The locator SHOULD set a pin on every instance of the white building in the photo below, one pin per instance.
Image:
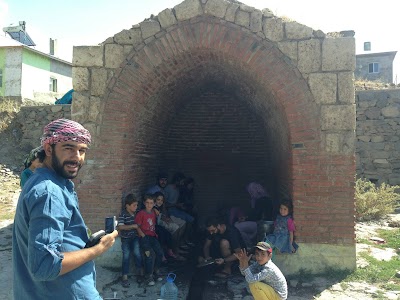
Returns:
(28, 74)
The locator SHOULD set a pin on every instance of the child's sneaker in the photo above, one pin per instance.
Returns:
(157, 276)
(150, 281)
(125, 283)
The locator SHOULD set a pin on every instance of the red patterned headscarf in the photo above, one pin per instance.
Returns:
(63, 130)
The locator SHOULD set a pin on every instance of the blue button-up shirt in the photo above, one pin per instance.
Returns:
(47, 223)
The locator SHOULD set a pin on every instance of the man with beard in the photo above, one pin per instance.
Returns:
(161, 183)
(221, 243)
(50, 260)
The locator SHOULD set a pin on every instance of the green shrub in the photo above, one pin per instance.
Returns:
(374, 202)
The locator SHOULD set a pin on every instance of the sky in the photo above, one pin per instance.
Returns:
(90, 22)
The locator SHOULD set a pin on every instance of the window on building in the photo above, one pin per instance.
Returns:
(53, 84)
(373, 68)
(1, 78)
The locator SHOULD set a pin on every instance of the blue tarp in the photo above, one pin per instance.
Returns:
(66, 99)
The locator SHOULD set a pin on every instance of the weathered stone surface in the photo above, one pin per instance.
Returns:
(80, 79)
(309, 56)
(56, 108)
(127, 50)
(394, 180)
(346, 87)
(80, 107)
(132, 36)
(87, 56)
(243, 18)
(382, 128)
(382, 102)
(34, 118)
(149, 28)
(373, 113)
(377, 139)
(246, 8)
(231, 12)
(392, 111)
(343, 142)
(364, 138)
(289, 49)
(273, 29)
(166, 18)
(256, 21)
(338, 54)
(114, 55)
(267, 13)
(109, 40)
(365, 104)
(297, 31)
(188, 9)
(348, 143)
(319, 34)
(216, 8)
(99, 82)
(94, 109)
(338, 117)
(323, 87)
(333, 142)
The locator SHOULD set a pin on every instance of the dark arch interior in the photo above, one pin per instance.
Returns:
(218, 124)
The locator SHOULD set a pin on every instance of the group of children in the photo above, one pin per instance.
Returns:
(152, 230)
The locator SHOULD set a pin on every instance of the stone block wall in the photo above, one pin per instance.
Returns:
(32, 120)
(378, 135)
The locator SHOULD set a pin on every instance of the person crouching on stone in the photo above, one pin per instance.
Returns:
(265, 280)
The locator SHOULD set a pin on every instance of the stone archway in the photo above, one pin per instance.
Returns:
(225, 93)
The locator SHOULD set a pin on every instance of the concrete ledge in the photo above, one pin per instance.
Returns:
(317, 258)
(112, 258)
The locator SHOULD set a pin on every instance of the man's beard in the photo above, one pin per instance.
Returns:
(59, 168)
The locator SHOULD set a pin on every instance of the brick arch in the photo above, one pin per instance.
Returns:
(207, 56)
(140, 116)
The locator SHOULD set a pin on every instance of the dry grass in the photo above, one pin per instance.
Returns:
(360, 85)
(8, 110)
(7, 105)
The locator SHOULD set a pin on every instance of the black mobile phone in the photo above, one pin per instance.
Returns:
(95, 238)
(110, 224)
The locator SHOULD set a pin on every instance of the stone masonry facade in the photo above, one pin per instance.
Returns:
(378, 131)
(32, 119)
(255, 89)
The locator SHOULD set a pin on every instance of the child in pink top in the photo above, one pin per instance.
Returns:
(283, 236)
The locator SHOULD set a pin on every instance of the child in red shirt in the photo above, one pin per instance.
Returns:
(147, 220)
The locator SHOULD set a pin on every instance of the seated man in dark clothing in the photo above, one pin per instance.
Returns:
(222, 241)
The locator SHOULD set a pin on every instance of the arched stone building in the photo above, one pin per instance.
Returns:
(227, 94)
